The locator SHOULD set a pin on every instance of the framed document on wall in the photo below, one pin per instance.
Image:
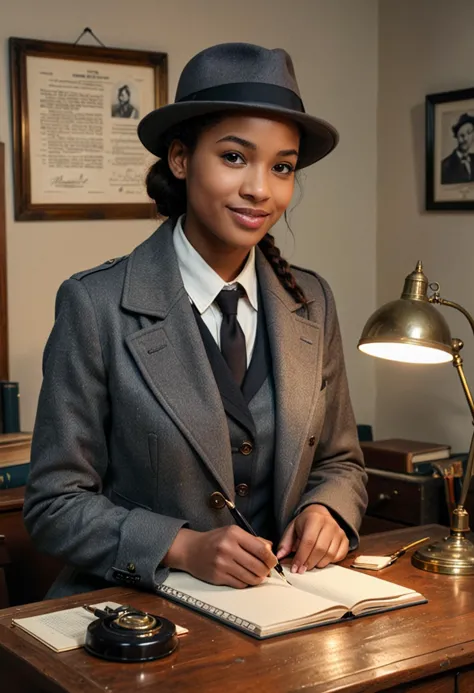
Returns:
(75, 111)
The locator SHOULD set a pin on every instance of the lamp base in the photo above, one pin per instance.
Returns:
(454, 555)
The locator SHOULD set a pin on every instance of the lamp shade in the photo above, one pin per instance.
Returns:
(409, 329)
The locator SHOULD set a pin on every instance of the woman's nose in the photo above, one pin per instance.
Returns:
(255, 184)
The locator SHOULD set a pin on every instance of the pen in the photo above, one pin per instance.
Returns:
(242, 522)
(401, 552)
(404, 549)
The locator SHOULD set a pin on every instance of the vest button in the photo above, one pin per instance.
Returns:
(311, 441)
(216, 501)
(242, 490)
(131, 567)
(246, 448)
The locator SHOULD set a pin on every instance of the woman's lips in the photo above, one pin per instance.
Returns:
(249, 218)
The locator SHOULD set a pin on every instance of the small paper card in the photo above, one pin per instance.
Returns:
(65, 630)
(372, 562)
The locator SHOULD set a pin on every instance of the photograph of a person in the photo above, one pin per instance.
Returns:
(458, 167)
(450, 150)
(122, 107)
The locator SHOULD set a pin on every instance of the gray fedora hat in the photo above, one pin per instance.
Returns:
(239, 77)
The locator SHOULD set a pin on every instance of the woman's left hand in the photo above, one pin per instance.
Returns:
(316, 538)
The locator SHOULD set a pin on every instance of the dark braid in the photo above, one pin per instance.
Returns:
(169, 195)
(281, 268)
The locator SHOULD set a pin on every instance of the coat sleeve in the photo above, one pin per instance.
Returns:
(337, 478)
(65, 509)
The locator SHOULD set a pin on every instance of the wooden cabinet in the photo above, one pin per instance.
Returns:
(403, 500)
(27, 573)
(4, 562)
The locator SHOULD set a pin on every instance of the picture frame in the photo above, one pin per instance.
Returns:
(75, 111)
(450, 150)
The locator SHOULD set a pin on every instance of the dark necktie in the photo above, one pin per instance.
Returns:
(232, 337)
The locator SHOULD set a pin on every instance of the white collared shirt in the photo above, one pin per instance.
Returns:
(465, 159)
(202, 285)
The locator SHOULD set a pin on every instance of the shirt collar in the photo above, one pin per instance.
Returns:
(464, 157)
(201, 282)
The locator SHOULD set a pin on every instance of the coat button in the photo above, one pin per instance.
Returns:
(131, 567)
(242, 490)
(246, 448)
(216, 501)
(311, 441)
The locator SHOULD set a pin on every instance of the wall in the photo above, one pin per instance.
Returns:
(425, 46)
(334, 47)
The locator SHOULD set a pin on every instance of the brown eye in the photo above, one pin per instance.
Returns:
(287, 169)
(233, 158)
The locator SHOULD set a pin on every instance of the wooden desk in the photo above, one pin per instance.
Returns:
(424, 649)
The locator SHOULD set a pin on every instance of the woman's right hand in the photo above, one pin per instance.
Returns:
(225, 556)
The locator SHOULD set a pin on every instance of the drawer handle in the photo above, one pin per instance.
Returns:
(384, 497)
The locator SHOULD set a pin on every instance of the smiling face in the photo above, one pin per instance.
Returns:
(239, 181)
(465, 137)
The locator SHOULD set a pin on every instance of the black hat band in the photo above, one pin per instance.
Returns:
(251, 93)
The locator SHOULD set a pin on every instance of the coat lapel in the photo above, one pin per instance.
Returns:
(294, 343)
(171, 356)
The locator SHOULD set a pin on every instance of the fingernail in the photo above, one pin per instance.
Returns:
(302, 570)
(280, 553)
(294, 568)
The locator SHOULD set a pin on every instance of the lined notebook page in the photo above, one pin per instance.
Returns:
(272, 602)
(347, 586)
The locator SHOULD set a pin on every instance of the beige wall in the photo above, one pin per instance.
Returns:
(425, 47)
(334, 47)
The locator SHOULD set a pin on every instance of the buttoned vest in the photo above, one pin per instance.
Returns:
(250, 412)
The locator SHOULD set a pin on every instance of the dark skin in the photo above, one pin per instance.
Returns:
(240, 180)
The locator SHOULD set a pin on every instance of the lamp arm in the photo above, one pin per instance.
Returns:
(435, 298)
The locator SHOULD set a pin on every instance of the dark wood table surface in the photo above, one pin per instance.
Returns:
(428, 647)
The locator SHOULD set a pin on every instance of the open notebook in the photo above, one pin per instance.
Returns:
(320, 596)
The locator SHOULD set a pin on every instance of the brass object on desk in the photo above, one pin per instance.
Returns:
(126, 634)
(411, 330)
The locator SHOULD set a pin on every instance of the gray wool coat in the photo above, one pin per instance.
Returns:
(131, 438)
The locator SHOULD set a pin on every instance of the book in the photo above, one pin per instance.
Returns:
(318, 597)
(15, 448)
(399, 455)
(14, 475)
(10, 394)
(65, 630)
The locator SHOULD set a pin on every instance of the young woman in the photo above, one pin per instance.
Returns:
(202, 364)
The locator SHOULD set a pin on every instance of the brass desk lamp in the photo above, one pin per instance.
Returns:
(411, 330)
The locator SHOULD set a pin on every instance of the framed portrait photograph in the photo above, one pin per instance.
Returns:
(75, 111)
(450, 150)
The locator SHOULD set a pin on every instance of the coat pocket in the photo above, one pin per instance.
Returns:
(153, 452)
(126, 502)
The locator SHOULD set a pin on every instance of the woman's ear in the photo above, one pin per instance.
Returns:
(178, 159)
